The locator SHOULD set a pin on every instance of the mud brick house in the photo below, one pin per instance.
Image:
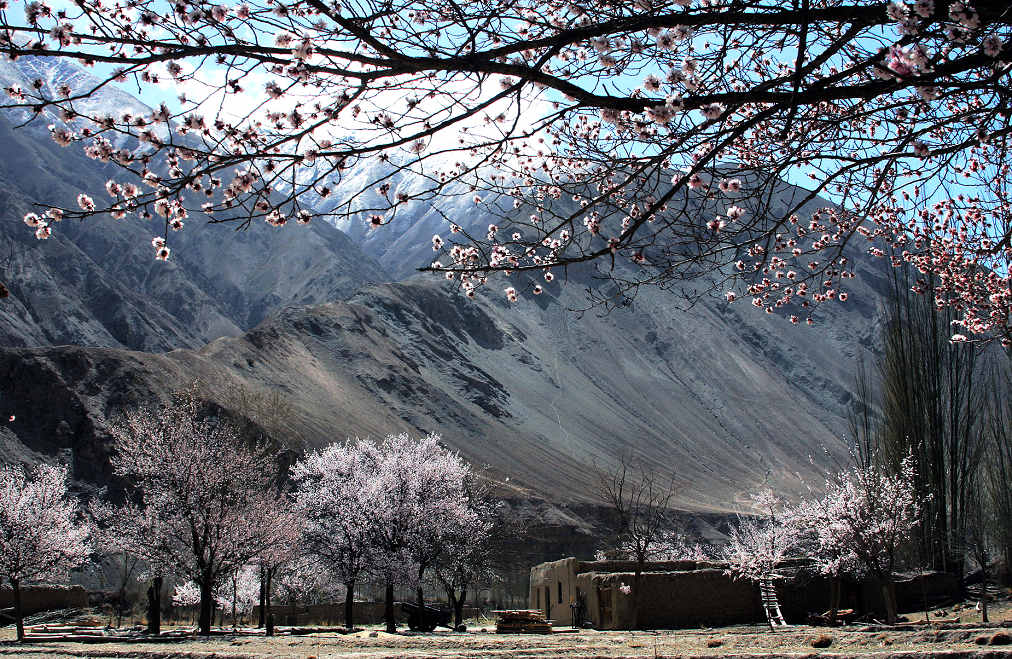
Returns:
(693, 593)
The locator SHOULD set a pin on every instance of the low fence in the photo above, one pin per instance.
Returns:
(37, 598)
(365, 613)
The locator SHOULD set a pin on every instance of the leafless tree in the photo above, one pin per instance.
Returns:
(933, 407)
(641, 499)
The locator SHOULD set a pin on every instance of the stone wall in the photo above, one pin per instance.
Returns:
(45, 598)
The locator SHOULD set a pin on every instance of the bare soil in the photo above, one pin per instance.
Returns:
(949, 639)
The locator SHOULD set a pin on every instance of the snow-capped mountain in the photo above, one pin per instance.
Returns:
(96, 283)
(50, 74)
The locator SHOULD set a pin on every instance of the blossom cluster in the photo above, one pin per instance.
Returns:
(653, 137)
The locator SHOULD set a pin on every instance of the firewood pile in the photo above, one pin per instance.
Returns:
(842, 617)
(95, 634)
(522, 621)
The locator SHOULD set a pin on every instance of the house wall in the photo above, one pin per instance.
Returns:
(606, 567)
(553, 589)
(547, 579)
(690, 593)
(669, 599)
(912, 592)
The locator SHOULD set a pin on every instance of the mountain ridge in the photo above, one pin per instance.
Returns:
(96, 282)
(722, 397)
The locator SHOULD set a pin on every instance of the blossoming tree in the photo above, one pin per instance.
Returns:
(757, 545)
(832, 558)
(41, 536)
(866, 515)
(237, 592)
(418, 500)
(652, 137)
(469, 548)
(388, 508)
(205, 502)
(330, 491)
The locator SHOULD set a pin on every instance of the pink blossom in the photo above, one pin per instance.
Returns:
(652, 83)
(41, 538)
(992, 45)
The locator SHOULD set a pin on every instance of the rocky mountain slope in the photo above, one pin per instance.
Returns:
(97, 283)
(720, 395)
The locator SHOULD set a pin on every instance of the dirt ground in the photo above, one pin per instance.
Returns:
(967, 638)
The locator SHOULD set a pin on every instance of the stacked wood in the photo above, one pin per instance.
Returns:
(53, 632)
(842, 617)
(522, 621)
(76, 633)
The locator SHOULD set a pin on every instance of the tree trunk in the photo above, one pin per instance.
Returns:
(451, 597)
(636, 596)
(206, 605)
(235, 587)
(388, 609)
(263, 602)
(349, 604)
(267, 602)
(983, 594)
(458, 608)
(889, 596)
(155, 606)
(18, 614)
(420, 596)
(834, 597)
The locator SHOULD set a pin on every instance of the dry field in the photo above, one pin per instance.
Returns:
(950, 639)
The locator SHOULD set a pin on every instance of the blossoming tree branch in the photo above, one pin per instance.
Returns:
(657, 138)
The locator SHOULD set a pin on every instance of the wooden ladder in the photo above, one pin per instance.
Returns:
(770, 603)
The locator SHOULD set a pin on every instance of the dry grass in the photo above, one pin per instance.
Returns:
(741, 642)
(968, 639)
